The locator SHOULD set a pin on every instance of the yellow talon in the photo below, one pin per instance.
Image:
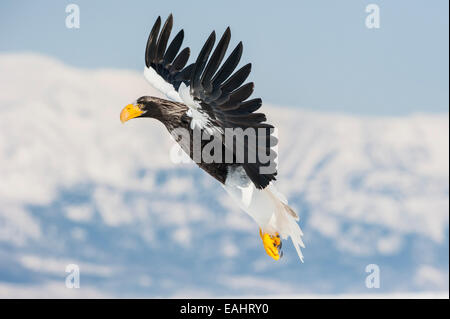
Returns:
(272, 244)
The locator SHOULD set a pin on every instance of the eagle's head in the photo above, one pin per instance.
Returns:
(145, 106)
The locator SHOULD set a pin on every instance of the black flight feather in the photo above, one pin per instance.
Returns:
(180, 61)
(150, 51)
(163, 39)
(228, 67)
(173, 48)
(215, 60)
(202, 58)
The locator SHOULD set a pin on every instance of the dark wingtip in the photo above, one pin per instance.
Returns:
(213, 35)
(157, 23)
(227, 34)
(211, 38)
(151, 42)
(240, 48)
(247, 68)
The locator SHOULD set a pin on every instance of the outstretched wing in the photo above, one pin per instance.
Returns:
(166, 66)
(221, 93)
(215, 94)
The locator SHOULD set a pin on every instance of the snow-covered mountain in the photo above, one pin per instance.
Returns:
(78, 187)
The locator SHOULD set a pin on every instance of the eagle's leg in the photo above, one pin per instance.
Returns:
(272, 244)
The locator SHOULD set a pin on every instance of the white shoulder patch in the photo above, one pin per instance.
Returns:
(199, 118)
(161, 85)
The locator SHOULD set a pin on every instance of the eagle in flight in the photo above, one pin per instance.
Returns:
(207, 103)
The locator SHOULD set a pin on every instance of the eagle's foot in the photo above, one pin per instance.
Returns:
(272, 244)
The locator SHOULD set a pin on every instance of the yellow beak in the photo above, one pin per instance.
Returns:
(129, 112)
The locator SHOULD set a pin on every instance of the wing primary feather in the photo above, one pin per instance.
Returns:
(200, 63)
(236, 79)
(247, 107)
(228, 67)
(151, 42)
(173, 48)
(180, 60)
(163, 38)
(247, 119)
(215, 60)
(185, 74)
(237, 96)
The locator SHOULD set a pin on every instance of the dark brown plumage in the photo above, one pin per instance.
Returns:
(173, 116)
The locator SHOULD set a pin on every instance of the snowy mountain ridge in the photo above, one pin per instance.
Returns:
(78, 186)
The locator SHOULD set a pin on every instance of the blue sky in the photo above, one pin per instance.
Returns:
(311, 54)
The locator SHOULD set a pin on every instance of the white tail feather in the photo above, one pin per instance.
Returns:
(267, 207)
(285, 220)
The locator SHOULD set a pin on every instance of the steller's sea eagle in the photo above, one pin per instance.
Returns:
(207, 99)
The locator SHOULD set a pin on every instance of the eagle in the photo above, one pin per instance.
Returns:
(208, 111)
